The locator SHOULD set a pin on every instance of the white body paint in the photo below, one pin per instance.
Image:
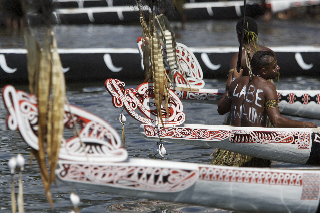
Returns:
(250, 96)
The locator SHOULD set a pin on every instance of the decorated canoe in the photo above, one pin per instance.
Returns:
(23, 116)
(298, 145)
(279, 190)
(293, 145)
(102, 165)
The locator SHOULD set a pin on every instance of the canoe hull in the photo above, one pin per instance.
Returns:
(83, 65)
(215, 186)
(297, 145)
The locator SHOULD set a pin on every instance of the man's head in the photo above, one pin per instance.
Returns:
(250, 26)
(264, 64)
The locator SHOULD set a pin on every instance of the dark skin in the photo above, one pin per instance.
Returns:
(244, 67)
(247, 105)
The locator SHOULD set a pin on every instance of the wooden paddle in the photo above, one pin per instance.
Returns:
(241, 40)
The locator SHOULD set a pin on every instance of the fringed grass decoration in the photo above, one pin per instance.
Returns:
(227, 158)
(46, 81)
(51, 98)
(57, 102)
(43, 101)
(154, 63)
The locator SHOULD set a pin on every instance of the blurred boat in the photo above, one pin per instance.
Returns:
(130, 13)
(126, 11)
(95, 64)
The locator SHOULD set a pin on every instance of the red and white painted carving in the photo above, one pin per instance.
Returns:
(305, 98)
(142, 100)
(215, 95)
(101, 142)
(301, 139)
(188, 72)
(155, 179)
(310, 182)
(254, 177)
(187, 133)
(311, 186)
(188, 66)
(291, 98)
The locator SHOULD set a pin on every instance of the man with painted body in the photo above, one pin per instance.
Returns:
(251, 98)
(249, 46)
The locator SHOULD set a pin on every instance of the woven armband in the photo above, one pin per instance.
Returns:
(270, 104)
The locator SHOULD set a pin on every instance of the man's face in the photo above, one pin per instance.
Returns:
(272, 71)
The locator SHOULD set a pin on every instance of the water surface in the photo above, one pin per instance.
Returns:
(94, 98)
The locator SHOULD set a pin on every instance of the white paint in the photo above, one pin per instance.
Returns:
(207, 62)
(142, 66)
(80, 4)
(212, 4)
(253, 116)
(258, 98)
(301, 62)
(238, 9)
(235, 94)
(4, 66)
(64, 70)
(210, 12)
(108, 61)
(90, 16)
(243, 92)
(250, 94)
(237, 113)
(110, 3)
(120, 15)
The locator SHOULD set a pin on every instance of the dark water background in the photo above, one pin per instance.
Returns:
(209, 33)
(94, 98)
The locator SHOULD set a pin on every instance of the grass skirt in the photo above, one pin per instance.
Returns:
(228, 158)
